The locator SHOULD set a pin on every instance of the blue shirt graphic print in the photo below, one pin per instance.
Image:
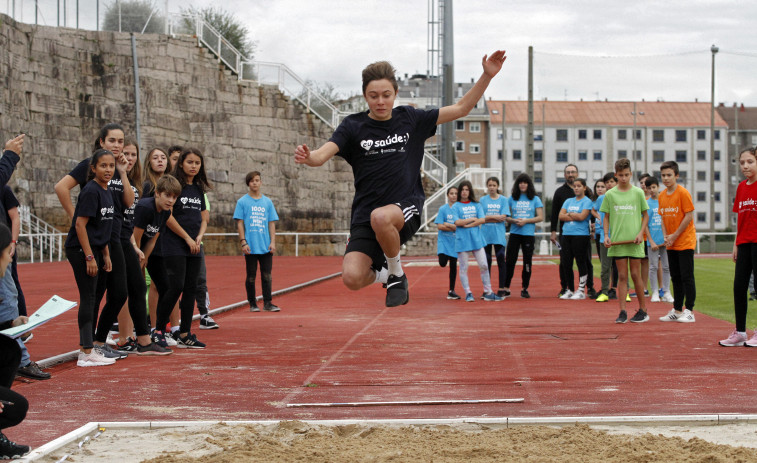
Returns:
(445, 240)
(256, 214)
(468, 239)
(495, 232)
(574, 227)
(524, 208)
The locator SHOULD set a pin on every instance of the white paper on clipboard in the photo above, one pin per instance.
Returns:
(55, 306)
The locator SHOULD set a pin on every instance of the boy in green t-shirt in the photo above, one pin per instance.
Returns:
(625, 209)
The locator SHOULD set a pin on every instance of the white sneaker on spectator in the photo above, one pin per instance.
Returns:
(93, 359)
(671, 316)
(687, 317)
(667, 297)
(567, 295)
(655, 298)
(171, 339)
(110, 341)
(578, 295)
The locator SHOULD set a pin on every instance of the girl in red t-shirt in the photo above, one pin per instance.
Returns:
(745, 247)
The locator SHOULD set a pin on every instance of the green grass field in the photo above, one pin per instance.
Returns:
(714, 278)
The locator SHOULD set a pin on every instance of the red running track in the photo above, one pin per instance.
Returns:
(328, 344)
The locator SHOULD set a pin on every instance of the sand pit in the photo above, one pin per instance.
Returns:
(469, 442)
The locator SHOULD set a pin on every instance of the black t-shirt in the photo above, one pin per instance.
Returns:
(187, 212)
(81, 172)
(8, 201)
(386, 157)
(116, 187)
(148, 189)
(97, 204)
(128, 225)
(147, 217)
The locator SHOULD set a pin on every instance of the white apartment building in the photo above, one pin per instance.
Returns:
(594, 134)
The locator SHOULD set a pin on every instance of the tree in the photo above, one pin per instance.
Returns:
(235, 32)
(134, 14)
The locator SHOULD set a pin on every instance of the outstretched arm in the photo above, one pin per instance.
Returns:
(303, 155)
(491, 65)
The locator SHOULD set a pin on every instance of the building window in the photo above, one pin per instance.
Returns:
(637, 134)
(681, 156)
(717, 217)
(582, 156)
(701, 134)
(701, 155)
(701, 176)
(658, 156)
(459, 125)
(701, 217)
(680, 135)
(499, 134)
(717, 155)
(622, 135)
(475, 127)
(562, 135)
(717, 175)
(701, 196)
(622, 154)
(459, 146)
(637, 155)
(517, 134)
(538, 176)
(538, 135)
(598, 134)
(658, 135)
(683, 175)
(562, 156)
(474, 148)
(582, 134)
(717, 196)
(538, 156)
(517, 155)
(597, 155)
(499, 155)
(717, 135)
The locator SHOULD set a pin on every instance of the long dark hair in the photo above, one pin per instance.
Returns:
(587, 191)
(95, 159)
(471, 193)
(201, 180)
(530, 191)
(104, 131)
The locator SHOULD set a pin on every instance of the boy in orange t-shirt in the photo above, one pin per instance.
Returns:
(677, 211)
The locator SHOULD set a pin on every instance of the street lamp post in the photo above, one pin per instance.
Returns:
(714, 50)
(634, 113)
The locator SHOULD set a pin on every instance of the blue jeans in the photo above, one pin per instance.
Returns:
(9, 308)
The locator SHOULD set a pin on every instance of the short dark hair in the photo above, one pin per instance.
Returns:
(670, 165)
(587, 191)
(649, 181)
(250, 175)
(100, 152)
(570, 165)
(377, 71)
(168, 184)
(622, 164)
(644, 175)
(174, 148)
(609, 176)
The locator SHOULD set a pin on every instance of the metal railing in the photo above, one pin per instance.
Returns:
(476, 175)
(45, 241)
(434, 168)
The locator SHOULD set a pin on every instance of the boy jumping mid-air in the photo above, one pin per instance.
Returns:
(384, 146)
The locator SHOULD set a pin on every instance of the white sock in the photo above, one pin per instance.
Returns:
(743, 333)
(174, 329)
(395, 267)
(381, 276)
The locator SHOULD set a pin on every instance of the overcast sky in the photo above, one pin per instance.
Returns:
(612, 49)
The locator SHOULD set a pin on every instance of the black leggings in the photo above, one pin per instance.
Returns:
(443, 259)
(89, 288)
(201, 295)
(499, 252)
(746, 265)
(136, 287)
(266, 265)
(117, 292)
(682, 276)
(180, 280)
(10, 357)
(516, 243)
(575, 248)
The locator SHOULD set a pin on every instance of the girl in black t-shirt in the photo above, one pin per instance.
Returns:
(180, 248)
(156, 164)
(87, 250)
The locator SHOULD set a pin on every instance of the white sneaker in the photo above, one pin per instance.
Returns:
(110, 341)
(578, 295)
(667, 297)
(655, 298)
(567, 295)
(672, 316)
(93, 359)
(687, 317)
(171, 340)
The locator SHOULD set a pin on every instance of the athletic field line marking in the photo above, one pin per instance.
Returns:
(407, 402)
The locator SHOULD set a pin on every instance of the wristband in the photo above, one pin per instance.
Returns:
(13, 241)
(242, 240)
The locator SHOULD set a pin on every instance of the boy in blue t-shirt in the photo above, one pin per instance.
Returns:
(656, 242)
(256, 224)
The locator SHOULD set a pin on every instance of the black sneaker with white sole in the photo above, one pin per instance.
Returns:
(10, 450)
(640, 317)
(622, 317)
(152, 349)
(269, 307)
(207, 323)
(189, 342)
(396, 291)
(452, 295)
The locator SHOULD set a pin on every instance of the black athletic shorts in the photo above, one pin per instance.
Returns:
(363, 238)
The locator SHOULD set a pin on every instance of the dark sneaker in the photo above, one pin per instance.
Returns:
(159, 338)
(254, 307)
(622, 317)
(269, 307)
(129, 347)
(453, 296)
(26, 337)
(503, 293)
(207, 323)
(10, 450)
(591, 293)
(640, 317)
(190, 342)
(524, 294)
(153, 349)
(612, 294)
(396, 291)
(107, 352)
(32, 371)
(752, 296)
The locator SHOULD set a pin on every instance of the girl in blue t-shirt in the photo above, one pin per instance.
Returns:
(496, 208)
(575, 213)
(87, 251)
(469, 216)
(527, 210)
(445, 240)
(180, 249)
